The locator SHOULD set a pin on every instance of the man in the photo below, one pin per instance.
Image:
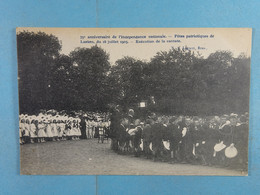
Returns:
(186, 142)
(122, 136)
(114, 126)
(165, 138)
(147, 137)
(157, 137)
(130, 116)
(83, 128)
(241, 143)
(137, 137)
(174, 133)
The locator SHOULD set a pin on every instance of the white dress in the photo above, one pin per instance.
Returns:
(73, 131)
(78, 131)
(60, 128)
(67, 130)
(33, 130)
(26, 129)
(41, 132)
(54, 130)
(21, 128)
(48, 131)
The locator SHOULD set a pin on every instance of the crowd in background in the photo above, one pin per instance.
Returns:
(55, 126)
(212, 140)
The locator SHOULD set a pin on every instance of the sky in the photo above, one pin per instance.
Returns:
(144, 43)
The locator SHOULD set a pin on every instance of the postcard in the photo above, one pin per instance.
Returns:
(134, 101)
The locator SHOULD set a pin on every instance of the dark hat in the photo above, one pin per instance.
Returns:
(243, 119)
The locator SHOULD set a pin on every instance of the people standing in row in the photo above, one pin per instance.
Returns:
(218, 140)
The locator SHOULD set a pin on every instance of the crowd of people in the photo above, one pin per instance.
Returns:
(213, 140)
(55, 126)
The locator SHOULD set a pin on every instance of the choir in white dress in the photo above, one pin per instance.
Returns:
(53, 127)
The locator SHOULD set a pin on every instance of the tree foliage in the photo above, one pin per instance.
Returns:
(36, 57)
(181, 81)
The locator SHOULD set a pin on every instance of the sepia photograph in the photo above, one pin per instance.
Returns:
(134, 101)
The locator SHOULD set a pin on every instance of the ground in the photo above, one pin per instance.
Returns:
(88, 157)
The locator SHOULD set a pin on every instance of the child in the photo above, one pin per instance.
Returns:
(73, 131)
(87, 129)
(26, 131)
(49, 130)
(41, 131)
(21, 131)
(54, 130)
(67, 129)
(32, 131)
(59, 129)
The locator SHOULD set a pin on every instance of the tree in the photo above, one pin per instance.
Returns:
(62, 84)
(181, 81)
(170, 76)
(90, 69)
(128, 80)
(36, 60)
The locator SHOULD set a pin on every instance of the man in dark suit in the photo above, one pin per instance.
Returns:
(83, 128)
(174, 138)
(157, 137)
(114, 127)
(147, 137)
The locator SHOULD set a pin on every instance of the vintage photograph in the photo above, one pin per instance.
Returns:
(134, 101)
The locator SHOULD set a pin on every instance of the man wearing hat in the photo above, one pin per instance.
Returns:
(241, 142)
(130, 116)
(137, 137)
(114, 127)
(83, 128)
(157, 137)
(174, 138)
(147, 137)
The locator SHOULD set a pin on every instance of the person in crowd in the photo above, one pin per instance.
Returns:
(58, 126)
(41, 132)
(130, 116)
(83, 128)
(240, 140)
(136, 138)
(115, 119)
(209, 140)
(147, 137)
(26, 134)
(62, 133)
(54, 130)
(21, 130)
(123, 137)
(88, 126)
(157, 137)
(73, 131)
(49, 130)
(67, 130)
(78, 132)
(33, 131)
(174, 138)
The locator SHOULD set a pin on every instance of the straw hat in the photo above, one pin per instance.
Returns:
(184, 131)
(231, 151)
(166, 145)
(220, 146)
(151, 146)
